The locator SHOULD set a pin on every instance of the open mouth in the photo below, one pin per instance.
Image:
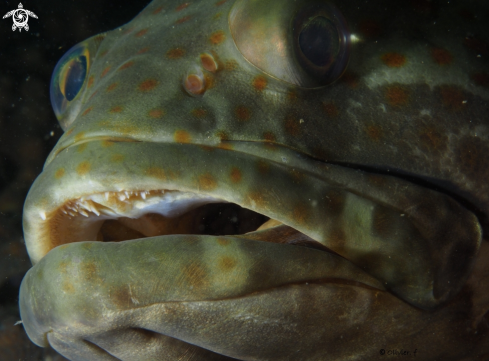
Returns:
(129, 215)
(261, 193)
(195, 226)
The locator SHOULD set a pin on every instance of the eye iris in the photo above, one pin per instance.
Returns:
(319, 41)
(72, 77)
(69, 77)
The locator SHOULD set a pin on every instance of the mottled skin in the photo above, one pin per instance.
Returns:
(387, 167)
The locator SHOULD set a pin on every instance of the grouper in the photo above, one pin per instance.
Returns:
(268, 180)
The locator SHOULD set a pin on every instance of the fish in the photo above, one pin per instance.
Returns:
(267, 180)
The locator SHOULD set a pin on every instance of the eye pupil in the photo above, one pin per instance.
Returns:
(319, 41)
(75, 77)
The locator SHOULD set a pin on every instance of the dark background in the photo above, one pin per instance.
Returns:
(29, 130)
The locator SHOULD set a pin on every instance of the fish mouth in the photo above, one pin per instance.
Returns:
(120, 230)
(107, 191)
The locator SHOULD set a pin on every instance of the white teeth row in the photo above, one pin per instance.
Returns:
(87, 207)
(134, 204)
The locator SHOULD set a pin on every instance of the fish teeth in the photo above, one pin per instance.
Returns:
(83, 213)
(107, 196)
(143, 195)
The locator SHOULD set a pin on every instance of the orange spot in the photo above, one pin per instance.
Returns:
(207, 148)
(194, 84)
(432, 139)
(126, 65)
(330, 109)
(156, 172)
(231, 65)
(292, 126)
(260, 82)
(370, 28)
(107, 143)
(227, 146)
(292, 96)
(90, 81)
(481, 79)
(223, 241)
(141, 33)
(227, 263)
(397, 96)
(69, 131)
(79, 137)
(377, 180)
(81, 147)
(208, 62)
(156, 113)
(255, 200)
(68, 287)
(116, 158)
(105, 71)
(98, 39)
(263, 167)
(83, 168)
(111, 87)
(116, 109)
(219, 3)
(269, 137)
(209, 81)
(144, 50)
(300, 214)
(182, 20)
(296, 175)
(207, 182)
(175, 53)
(182, 136)
(236, 175)
(351, 79)
(86, 111)
(441, 56)
(452, 98)
(393, 60)
(374, 132)
(183, 6)
(223, 136)
(158, 10)
(242, 113)
(103, 53)
(93, 94)
(199, 113)
(148, 85)
(217, 37)
(59, 173)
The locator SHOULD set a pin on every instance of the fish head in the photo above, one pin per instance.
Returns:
(247, 179)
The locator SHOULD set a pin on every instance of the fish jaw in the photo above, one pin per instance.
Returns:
(379, 226)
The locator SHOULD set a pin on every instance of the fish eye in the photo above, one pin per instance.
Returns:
(69, 76)
(322, 42)
(306, 43)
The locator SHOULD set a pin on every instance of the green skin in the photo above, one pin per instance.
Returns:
(387, 167)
